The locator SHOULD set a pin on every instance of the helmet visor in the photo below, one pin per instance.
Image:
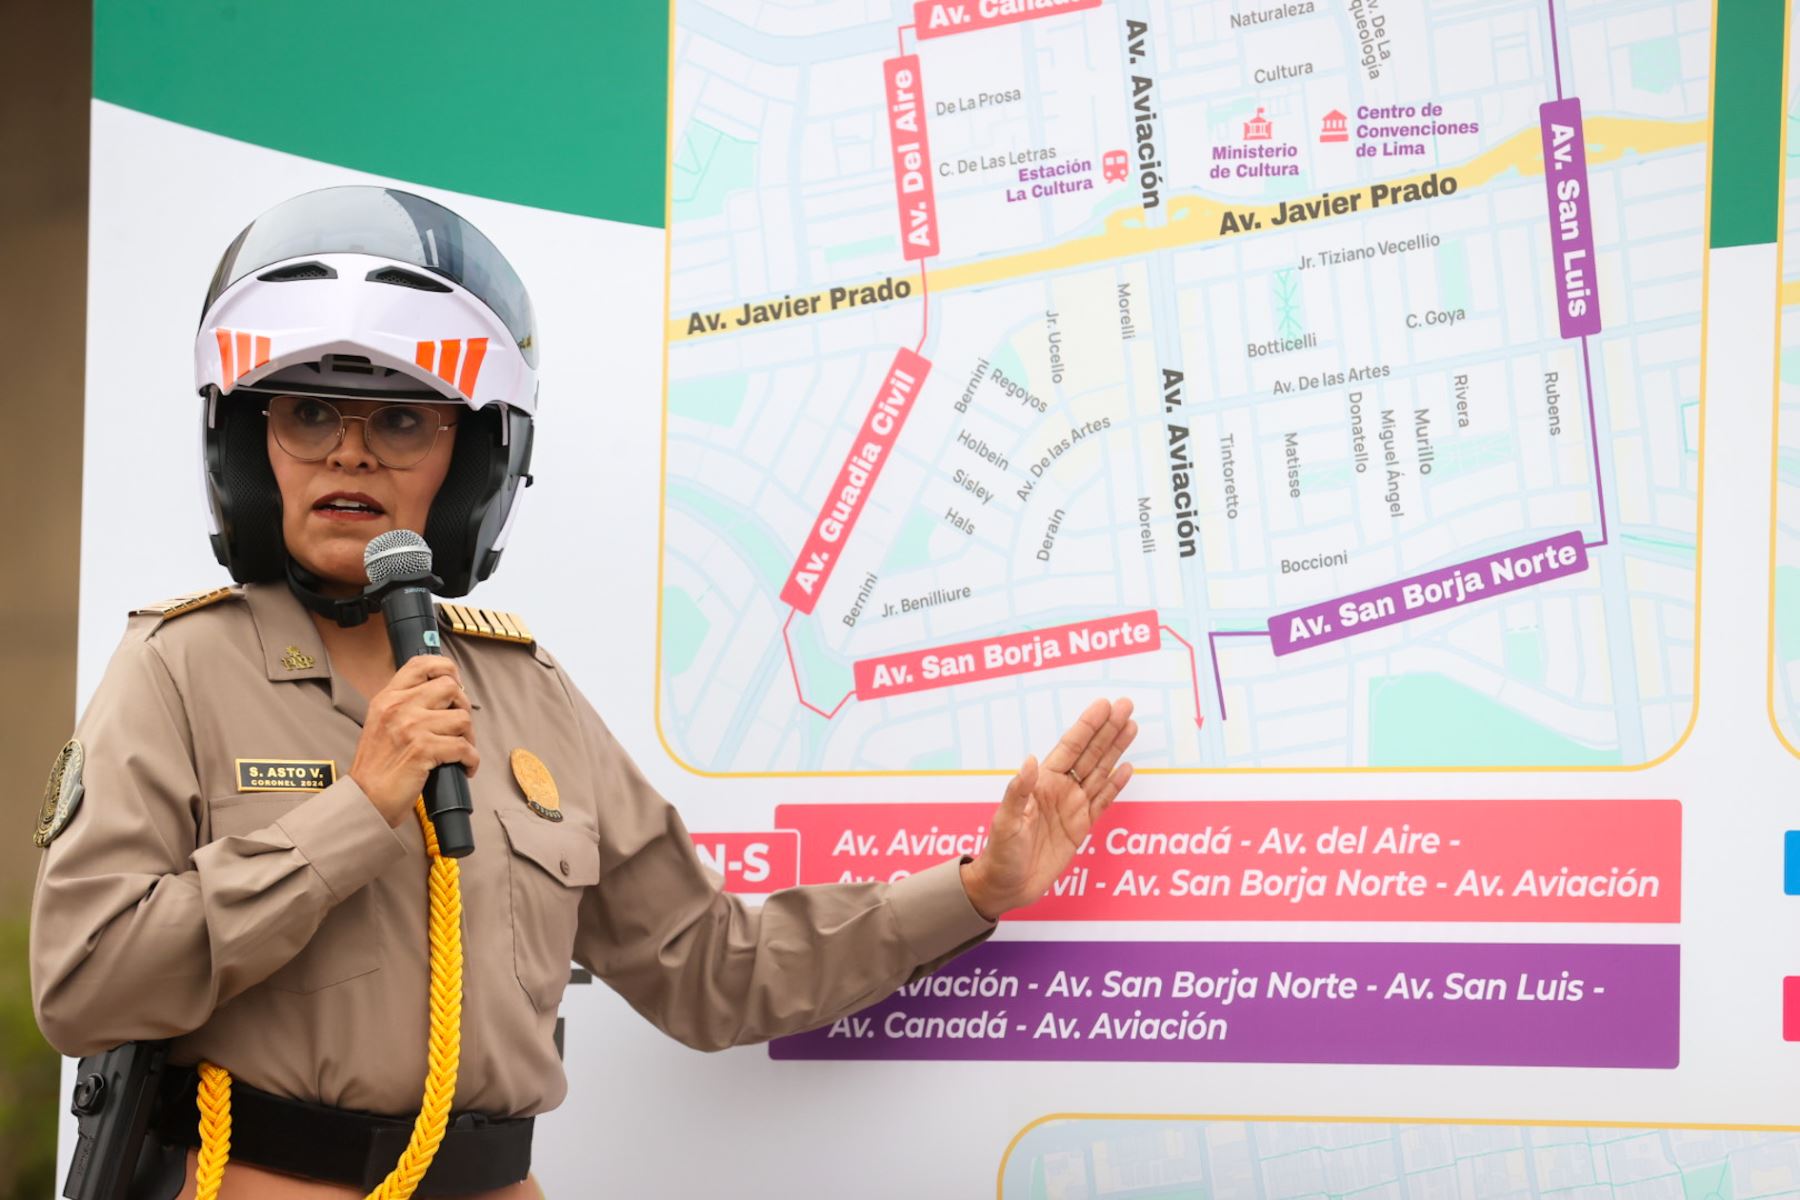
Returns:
(387, 224)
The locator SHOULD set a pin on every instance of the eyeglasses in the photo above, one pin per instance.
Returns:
(398, 435)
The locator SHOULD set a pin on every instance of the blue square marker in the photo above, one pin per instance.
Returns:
(1791, 863)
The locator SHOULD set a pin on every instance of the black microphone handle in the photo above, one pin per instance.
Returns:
(412, 631)
(448, 805)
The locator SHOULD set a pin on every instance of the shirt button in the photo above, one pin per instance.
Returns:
(563, 866)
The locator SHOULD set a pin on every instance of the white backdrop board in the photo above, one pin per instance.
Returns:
(1064, 325)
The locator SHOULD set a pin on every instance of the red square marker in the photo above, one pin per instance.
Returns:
(1790, 1008)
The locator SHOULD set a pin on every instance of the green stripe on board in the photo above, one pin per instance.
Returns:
(562, 105)
(1747, 104)
(559, 104)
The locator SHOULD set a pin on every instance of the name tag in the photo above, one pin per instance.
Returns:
(285, 774)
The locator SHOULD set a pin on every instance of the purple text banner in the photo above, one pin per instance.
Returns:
(1433, 592)
(1525, 1005)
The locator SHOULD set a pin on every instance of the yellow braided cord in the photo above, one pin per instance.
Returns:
(444, 1050)
(215, 1130)
(443, 1053)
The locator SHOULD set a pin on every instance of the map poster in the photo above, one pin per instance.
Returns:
(1332, 379)
(1325, 377)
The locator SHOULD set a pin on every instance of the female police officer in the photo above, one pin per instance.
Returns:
(231, 856)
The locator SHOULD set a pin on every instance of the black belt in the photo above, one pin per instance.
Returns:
(337, 1145)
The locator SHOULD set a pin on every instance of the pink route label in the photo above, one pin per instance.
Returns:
(1570, 861)
(912, 158)
(1009, 654)
(1434, 591)
(849, 495)
(934, 18)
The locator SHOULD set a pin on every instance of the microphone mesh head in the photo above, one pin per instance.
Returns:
(398, 554)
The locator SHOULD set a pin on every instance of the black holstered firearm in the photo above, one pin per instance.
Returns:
(114, 1098)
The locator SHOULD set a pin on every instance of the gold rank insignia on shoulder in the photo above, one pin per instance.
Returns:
(295, 659)
(62, 793)
(178, 605)
(485, 623)
(538, 785)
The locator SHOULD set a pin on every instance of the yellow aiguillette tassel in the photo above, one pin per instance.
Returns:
(443, 1052)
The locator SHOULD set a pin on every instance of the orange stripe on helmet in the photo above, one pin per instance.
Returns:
(225, 375)
(243, 354)
(447, 360)
(262, 351)
(427, 356)
(471, 368)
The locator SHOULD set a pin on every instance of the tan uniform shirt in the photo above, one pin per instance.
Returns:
(282, 934)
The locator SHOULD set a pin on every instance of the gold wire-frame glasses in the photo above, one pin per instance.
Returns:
(309, 428)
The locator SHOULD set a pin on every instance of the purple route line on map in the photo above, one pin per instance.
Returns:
(1587, 370)
(1212, 645)
(1587, 378)
(1555, 54)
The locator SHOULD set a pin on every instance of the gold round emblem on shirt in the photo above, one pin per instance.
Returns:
(62, 793)
(537, 784)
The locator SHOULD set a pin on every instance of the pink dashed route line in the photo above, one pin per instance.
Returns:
(921, 253)
(918, 351)
(1193, 674)
(794, 670)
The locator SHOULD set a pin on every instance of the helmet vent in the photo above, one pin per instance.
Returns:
(351, 364)
(298, 271)
(406, 279)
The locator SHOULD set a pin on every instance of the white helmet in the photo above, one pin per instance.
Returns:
(367, 292)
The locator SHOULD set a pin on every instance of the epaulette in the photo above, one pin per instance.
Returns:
(181, 605)
(470, 621)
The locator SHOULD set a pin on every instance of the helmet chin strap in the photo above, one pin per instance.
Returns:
(347, 611)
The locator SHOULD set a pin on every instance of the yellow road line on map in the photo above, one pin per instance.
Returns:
(1790, 292)
(1194, 218)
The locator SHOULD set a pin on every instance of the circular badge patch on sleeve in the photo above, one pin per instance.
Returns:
(62, 793)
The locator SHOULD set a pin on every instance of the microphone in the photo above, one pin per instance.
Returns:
(399, 566)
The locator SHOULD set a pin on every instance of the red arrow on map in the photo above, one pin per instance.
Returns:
(1193, 674)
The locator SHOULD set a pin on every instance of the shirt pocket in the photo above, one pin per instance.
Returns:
(549, 867)
(347, 943)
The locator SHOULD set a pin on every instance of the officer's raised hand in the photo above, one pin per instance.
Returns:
(420, 720)
(1049, 808)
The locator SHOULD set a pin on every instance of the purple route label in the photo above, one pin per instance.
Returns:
(1571, 217)
(1420, 1003)
(1422, 595)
